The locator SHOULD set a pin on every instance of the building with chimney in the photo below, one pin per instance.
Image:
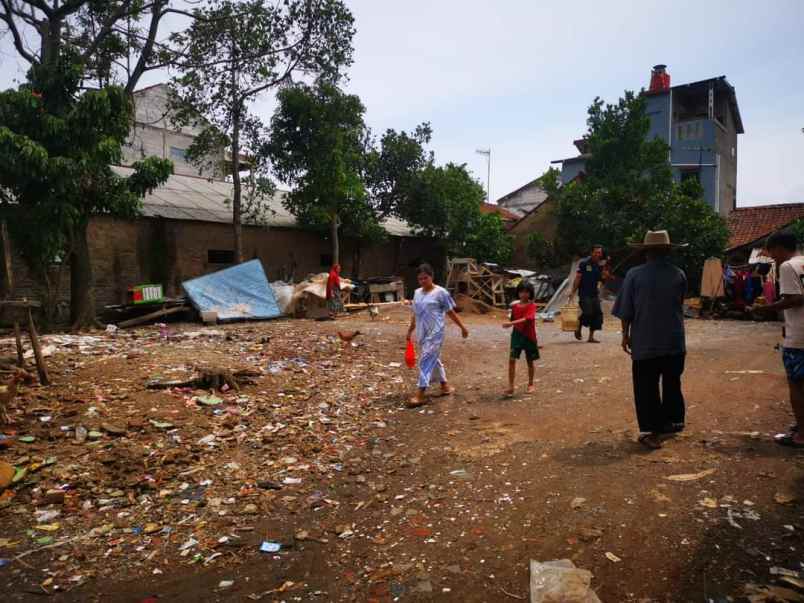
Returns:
(700, 122)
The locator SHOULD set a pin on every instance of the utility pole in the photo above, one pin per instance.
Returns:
(487, 153)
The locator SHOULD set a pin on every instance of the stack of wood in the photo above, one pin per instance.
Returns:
(468, 277)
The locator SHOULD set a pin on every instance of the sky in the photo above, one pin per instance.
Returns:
(517, 76)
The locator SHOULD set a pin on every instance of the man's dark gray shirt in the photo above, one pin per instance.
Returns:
(652, 300)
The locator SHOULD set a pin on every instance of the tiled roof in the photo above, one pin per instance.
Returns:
(506, 215)
(749, 224)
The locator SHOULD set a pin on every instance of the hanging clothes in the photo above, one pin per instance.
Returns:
(769, 291)
(712, 279)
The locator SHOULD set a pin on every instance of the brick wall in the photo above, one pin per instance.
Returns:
(149, 250)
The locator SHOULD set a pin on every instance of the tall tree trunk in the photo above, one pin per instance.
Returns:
(82, 282)
(336, 249)
(237, 211)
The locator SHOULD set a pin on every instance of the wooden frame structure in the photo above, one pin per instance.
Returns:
(468, 277)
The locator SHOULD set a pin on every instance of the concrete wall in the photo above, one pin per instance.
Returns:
(154, 135)
(657, 108)
(149, 250)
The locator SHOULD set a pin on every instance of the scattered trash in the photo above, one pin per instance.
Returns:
(784, 498)
(209, 400)
(780, 571)
(560, 582)
(7, 472)
(612, 557)
(690, 477)
(709, 503)
(730, 519)
(270, 547)
(577, 503)
(223, 584)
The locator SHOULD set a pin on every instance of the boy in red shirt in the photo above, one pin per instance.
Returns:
(523, 337)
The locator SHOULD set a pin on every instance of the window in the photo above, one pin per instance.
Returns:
(326, 260)
(177, 154)
(691, 130)
(220, 256)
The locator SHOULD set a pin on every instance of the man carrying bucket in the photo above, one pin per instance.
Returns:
(591, 272)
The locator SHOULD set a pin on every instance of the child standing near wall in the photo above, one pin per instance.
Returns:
(523, 337)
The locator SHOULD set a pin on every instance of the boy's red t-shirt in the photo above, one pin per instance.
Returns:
(527, 311)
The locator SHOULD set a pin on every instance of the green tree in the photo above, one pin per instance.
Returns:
(233, 52)
(318, 145)
(445, 204)
(628, 188)
(797, 228)
(56, 148)
(58, 135)
(394, 167)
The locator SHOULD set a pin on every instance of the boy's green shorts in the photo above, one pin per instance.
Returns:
(520, 343)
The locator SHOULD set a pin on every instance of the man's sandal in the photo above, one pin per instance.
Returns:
(650, 441)
(788, 440)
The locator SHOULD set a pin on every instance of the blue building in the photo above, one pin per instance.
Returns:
(700, 122)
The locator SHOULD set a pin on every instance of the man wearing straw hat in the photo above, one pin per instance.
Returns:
(650, 306)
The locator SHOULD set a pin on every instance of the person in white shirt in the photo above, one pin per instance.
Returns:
(782, 247)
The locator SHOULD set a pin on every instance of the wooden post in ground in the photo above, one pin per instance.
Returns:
(9, 278)
(20, 351)
(37, 350)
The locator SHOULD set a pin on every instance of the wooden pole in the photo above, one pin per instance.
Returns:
(9, 278)
(40, 361)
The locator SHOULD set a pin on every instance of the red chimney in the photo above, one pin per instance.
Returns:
(659, 79)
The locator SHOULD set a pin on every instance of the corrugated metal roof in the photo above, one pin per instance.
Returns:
(193, 198)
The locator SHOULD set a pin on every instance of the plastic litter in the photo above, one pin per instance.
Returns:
(560, 582)
(270, 547)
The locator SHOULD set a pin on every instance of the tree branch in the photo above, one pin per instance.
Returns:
(7, 17)
(105, 31)
(148, 47)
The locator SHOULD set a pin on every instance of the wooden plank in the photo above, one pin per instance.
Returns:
(133, 322)
(37, 350)
(20, 303)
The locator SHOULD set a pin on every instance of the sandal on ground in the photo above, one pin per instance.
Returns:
(673, 428)
(415, 402)
(447, 391)
(650, 441)
(787, 439)
(508, 394)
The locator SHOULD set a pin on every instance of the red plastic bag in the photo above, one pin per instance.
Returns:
(410, 355)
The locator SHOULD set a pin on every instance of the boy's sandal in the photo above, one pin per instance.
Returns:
(447, 392)
(415, 402)
(787, 439)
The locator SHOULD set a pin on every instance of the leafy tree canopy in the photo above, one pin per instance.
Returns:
(628, 188)
(236, 50)
(56, 148)
(318, 145)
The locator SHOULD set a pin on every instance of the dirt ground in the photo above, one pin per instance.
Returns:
(171, 498)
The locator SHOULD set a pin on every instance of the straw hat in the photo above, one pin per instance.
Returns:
(656, 239)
